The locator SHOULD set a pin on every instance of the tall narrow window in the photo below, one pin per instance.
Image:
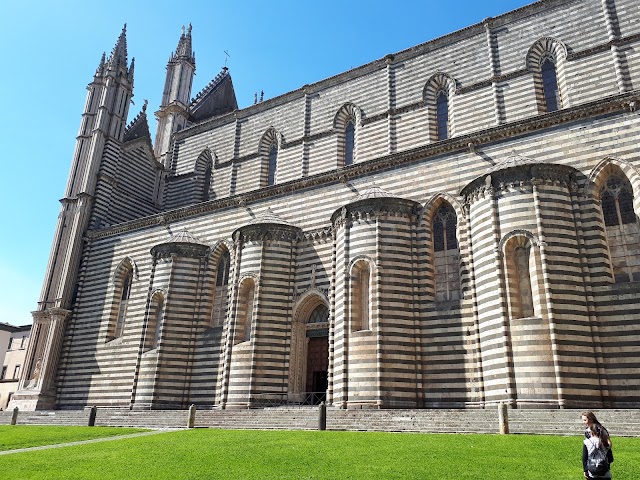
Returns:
(206, 188)
(523, 273)
(349, 142)
(155, 321)
(249, 313)
(122, 307)
(446, 254)
(319, 315)
(273, 165)
(550, 85)
(623, 231)
(360, 294)
(442, 114)
(219, 310)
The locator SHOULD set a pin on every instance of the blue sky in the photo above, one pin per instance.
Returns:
(50, 51)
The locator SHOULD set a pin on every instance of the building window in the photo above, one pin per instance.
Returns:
(442, 115)
(525, 290)
(550, 85)
(349, 143)
(207, 183)
(23, 342)
(123, 291)
(156, 314)
(446, 254)
(523, 276)
(319, 315)
(4, 373)
(220, 293)
(623, 231)
(273, 165)
(10, 347)
(16, 372)
(360, 296)
(244, 318)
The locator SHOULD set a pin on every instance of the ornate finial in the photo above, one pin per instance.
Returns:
(144, 107)
(255, 98)
(182, 30)
(261, 96)
(101, 64)
(119, 54)
(189, 29)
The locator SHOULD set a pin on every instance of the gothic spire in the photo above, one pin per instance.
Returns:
(100, 68)
(119, 53)
(184, 50)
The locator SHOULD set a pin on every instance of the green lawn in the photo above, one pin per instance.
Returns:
(232, 454)
(23, 436)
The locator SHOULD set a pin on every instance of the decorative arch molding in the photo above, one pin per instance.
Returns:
(158, 291)
(543, 48)
(205, 159)
(253, 276)
(440, 82)
(126, 263)
(613, 165)
(217, 249)
(432, 205)
(362, 258)
(348, 111)
(437, 82)
(268, 139)
(307, 303)
(526, 234)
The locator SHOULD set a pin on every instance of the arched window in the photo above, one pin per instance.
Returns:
(550, 85)
(349, 143)
(525, 287)
(273, 165)
(319, 315)
(125, 292)
(156, 313)
(446, 254)
(623, 231)
(442, 115)
(244, 318)
(207, 183)
(360, 296)
(220, 294)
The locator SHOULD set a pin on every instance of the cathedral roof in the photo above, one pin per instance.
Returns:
(268, 216)
(514, 160)
(216, 98)
(373, 191)
(139, 127)
(183, 236)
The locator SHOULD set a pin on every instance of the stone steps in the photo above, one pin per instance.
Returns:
(542, 422)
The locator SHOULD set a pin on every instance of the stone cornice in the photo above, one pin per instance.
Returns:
(179, 249)
(616, 103)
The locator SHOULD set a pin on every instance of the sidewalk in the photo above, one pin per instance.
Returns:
(82, 442)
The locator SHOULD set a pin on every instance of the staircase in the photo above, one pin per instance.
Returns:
(540, 422)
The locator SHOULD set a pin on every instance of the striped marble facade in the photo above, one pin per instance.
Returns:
(540, 313)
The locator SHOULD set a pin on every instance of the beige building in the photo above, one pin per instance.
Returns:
(13, 347)
(451, 226)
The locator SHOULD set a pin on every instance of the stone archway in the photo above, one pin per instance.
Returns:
(308, 369)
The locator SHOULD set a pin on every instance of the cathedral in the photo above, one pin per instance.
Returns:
(451, 226)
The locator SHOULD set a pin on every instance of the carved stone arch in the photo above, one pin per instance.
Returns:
(268, 170)
(432, 205)
(203, 161)
(437, 83)
(361, 258)
(545, 47)
(217, 248)
(154, 318)
(348, 111)
(268, 139)
(556, 51)
(523, 234)
(307, 303)
(614, 166)
(218, 291)
(126, 263)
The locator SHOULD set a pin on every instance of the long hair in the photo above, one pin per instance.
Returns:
(597, 428)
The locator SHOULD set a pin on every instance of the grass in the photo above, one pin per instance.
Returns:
(236, 454)
(24, 436)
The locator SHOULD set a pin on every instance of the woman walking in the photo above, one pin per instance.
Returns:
(596, 449)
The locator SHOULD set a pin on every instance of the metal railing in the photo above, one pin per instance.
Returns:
(279, 399)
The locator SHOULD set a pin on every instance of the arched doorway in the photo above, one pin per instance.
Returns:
(309, 364)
